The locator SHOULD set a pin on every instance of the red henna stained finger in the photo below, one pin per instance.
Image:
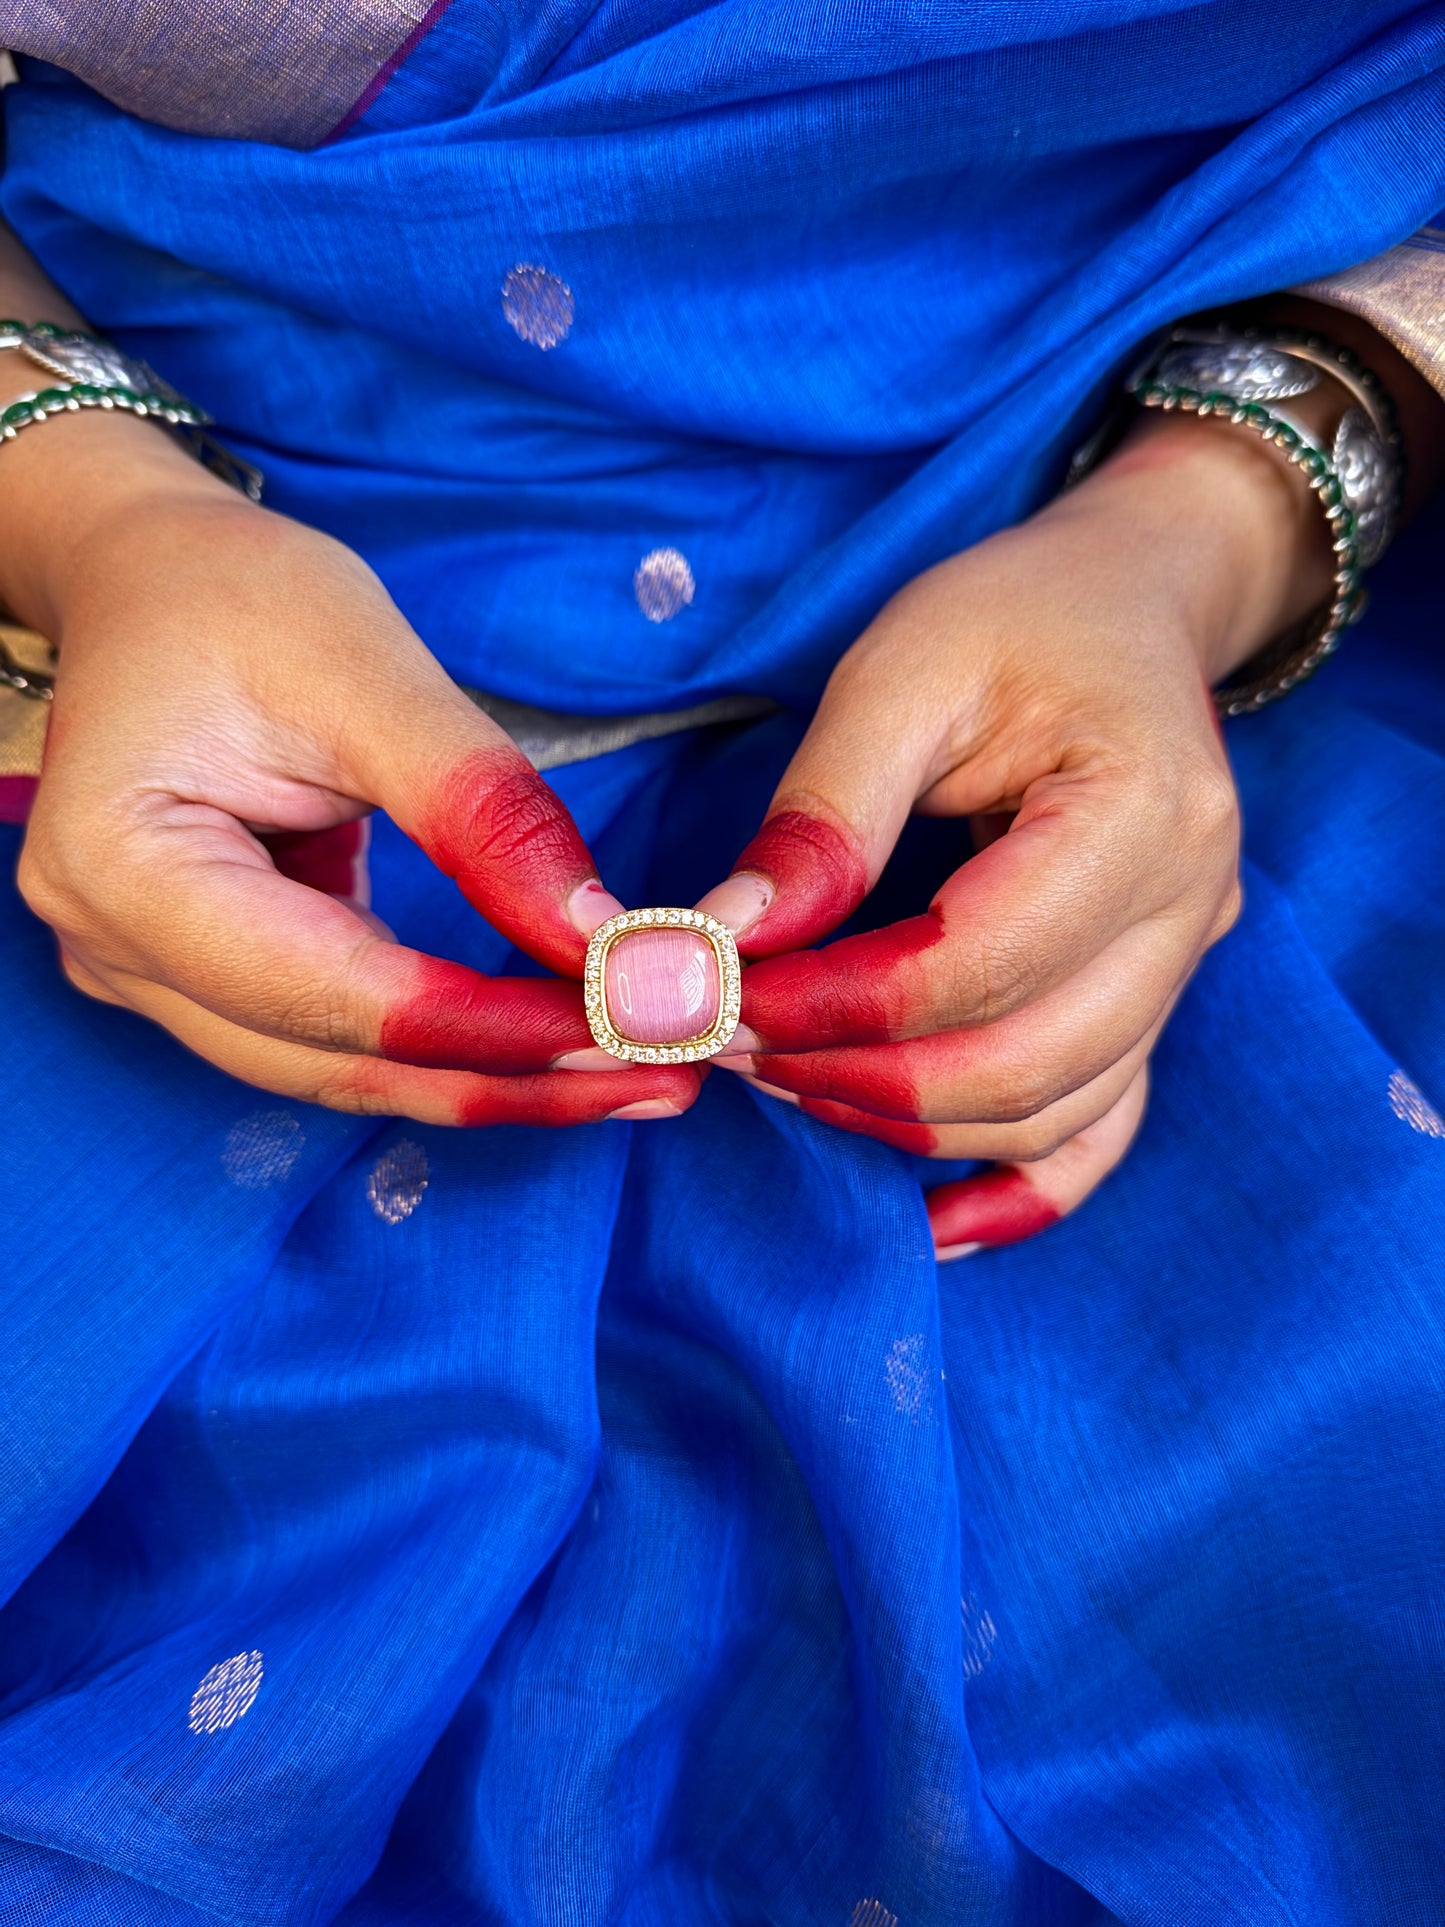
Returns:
(816, 866)
(472, 1100)
(860, 990)
(877, 1079)
(919, 1139)
(557, 1098)
(456, 1019)
(377, 1087)
(999, 1207)
(507, 838)
(331, 860)
(1044, 1055)
(1016, 1200)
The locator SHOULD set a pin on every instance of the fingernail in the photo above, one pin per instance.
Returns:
(744, 1066)
(589, 907)
(785, 1097)
(742, 1043)
(647, 1108)
(588, 1060)
(945, 1254)
(739, 901)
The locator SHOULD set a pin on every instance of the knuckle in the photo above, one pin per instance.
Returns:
(1031, 1139)
(1018, 1097)
(1229, 911)
(523, 821)
(319, 1015)
(1207, 809)
(332, 1013)
(833, 1011)
(988, 979)
(78, 977)
(341, 1016)
(38, 888)
(344, 1090)
(998, 1093)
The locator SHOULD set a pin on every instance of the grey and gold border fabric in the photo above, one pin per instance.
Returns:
(1402, 294)
(288, 71)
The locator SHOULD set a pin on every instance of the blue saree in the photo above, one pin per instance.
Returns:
(418, 1529)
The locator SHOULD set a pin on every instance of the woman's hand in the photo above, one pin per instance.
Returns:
(1052, 686)
(235, 694)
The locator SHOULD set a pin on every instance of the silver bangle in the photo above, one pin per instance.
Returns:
(1242, 376)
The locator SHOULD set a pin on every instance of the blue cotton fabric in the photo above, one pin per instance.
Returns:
(642, 1528)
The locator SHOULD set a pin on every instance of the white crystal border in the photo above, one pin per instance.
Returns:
(684, 1050)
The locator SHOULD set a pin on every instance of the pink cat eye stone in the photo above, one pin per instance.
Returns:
(662, 986)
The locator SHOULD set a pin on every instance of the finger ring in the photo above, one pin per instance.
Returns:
(663, 986)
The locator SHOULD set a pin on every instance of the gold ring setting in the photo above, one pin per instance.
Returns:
(650, 974)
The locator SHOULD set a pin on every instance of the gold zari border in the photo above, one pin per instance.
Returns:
(1401, 293)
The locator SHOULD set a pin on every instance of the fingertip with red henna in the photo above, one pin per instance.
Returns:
(998, 1207)
(738, 902)
(554, 1099)
(814, 865)
(507, 838)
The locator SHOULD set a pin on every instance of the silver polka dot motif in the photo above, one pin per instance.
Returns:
(398, 1181)
(261, 1149)
(872, 1913)
(227, 1693)
(1412, 1107)
(537, 305)
(663, 584)
(909, 1379)
(979, 1634)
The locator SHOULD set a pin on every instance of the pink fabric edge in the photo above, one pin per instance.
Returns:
(378, 80)
(17, 793)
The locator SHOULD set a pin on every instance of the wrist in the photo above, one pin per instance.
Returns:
(73, 483)
(1249, 547)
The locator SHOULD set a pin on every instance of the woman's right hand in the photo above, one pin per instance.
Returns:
(227, 676)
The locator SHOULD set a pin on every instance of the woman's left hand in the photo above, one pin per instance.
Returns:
(1052, 686)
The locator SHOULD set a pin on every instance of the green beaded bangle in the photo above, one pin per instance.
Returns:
(1297, 655)
(95, 374)
(43, 402)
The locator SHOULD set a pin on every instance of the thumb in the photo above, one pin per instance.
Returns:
(458, 785)
(833, 820)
